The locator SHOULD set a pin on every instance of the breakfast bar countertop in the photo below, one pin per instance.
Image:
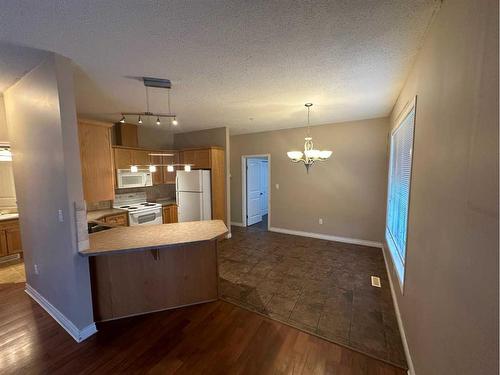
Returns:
(147, 237)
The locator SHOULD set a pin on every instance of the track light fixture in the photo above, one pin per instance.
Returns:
(157, 83)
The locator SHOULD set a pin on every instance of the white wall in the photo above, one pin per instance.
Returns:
(41, 120)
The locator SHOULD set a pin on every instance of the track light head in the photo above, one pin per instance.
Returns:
(139, 120)
(175, 122)
(122, 120)
(158, 122)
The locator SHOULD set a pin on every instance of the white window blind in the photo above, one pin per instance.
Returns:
(398, 196)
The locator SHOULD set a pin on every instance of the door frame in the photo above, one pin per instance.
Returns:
(244, 187)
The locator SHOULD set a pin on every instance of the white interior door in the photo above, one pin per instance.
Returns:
(264, 187)
(254, 214)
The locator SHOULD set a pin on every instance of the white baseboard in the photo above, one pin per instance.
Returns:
(328, 237)
(237, 224)
(411, 369)
(78, 334)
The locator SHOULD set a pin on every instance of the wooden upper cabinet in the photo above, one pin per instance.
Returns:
(218, 176)
(126, 135)
(123, 158)
(199, 158)
(169, 177)
(141, 158)
(157, 161)
(96, 158)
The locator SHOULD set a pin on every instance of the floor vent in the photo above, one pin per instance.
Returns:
(376, 281)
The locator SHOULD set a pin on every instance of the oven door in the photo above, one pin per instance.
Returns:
(146, 217)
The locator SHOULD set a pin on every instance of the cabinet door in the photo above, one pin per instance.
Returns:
(170, 214)
(141, 158)
(198, 158)
(120, 219)
(169, 177)
(13, 237)
(123, 158)
(158, 175)
(97, 162)
(3, 244)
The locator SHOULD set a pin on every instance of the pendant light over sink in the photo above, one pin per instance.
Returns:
(310, 154)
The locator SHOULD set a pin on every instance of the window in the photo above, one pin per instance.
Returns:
(398, 195)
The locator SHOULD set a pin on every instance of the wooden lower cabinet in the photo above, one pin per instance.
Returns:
(118, 219)
(10, 238)
(170, 214)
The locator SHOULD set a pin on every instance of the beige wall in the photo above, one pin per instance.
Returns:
(41, 119)
(209, 137)
(348, 191)
(450, 302)
(4, 137)
(156, 138)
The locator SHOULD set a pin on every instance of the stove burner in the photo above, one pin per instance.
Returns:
(124, 206)
(148, 204)
(133, 208)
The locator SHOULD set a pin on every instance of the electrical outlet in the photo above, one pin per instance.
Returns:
(376, 281)
(37, 271)
(277, 186)
(60, 216)
(320, 221)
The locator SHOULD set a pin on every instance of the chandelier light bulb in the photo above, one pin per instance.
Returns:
(187, 168)
(295, 155)
(152, 168)
(134, 169)
(170, 168)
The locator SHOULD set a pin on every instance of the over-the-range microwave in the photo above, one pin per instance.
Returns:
(127, 179)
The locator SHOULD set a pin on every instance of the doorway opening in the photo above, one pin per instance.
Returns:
(256, 196)
(11, 260)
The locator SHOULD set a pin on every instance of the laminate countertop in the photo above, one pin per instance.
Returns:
(99, 214)
(9, 217)
(148, 237)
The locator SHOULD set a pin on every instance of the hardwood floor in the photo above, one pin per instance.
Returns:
(213, 338)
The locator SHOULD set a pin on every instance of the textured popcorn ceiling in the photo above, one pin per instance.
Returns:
(248, 65)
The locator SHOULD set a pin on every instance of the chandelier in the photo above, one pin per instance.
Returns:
(310, 154)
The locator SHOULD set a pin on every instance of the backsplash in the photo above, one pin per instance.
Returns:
(152, 192)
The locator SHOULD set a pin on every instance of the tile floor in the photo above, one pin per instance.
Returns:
(321, 287)
(12, 272)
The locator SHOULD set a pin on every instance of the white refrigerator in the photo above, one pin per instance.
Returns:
(192, 191)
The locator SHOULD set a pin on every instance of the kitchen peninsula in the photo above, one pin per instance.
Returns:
(141, 269)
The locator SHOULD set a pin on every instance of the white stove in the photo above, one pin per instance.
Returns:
(140, 212)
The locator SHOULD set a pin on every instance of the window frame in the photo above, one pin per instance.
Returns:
(409, 107)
